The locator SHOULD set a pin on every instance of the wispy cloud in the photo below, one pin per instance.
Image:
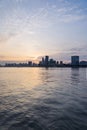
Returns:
(4, 38)
(23, 19)
(43, 16)
(67, 53)
(16, 58)
(67, 13)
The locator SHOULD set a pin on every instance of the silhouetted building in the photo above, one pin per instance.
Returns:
(43, 61)
(52, 63)
(29, 63)
(75, 60)
(57, 62)
(83, 63)
(46, 60)
(61, 62)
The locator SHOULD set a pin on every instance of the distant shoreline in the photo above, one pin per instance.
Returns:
(43, 67)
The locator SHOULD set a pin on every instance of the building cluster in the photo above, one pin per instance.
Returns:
(75, 62)
(29, 64)
(47, 62)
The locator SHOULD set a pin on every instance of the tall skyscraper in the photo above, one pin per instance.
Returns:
(46, 60)
(75, 60)
(42, 60)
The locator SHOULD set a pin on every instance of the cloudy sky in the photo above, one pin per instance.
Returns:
(33, 28)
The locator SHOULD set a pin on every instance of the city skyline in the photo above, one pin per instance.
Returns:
(30, 29)
(47, 61)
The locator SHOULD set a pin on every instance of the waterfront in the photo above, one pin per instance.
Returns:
(43, 99)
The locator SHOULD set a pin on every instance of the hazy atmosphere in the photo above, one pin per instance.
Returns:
(30, 29)
(43, 64)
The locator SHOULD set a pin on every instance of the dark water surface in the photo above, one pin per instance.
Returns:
(43, 99)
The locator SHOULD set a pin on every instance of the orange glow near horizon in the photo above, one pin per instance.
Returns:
(19, 59)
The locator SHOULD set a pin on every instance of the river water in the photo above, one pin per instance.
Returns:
(43, 99)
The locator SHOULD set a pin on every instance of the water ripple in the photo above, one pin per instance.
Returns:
(43, 99)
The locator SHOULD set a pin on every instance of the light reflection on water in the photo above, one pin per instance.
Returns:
(43, 99)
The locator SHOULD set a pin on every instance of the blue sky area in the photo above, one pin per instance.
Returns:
(30, 29)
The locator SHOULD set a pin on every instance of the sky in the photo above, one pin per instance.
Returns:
(30, 29)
